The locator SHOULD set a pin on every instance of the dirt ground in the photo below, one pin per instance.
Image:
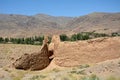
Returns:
(10, 52)
(75, 61)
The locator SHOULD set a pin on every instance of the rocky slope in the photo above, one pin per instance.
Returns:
(12, 25)
(98, 22)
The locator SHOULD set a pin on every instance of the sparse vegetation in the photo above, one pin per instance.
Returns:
(29, 40)
(85, 36)
(56, 70)
(38, 77)
(78, 72)
(115, 34)
(38, 40)
(91, 77)
(84, 66)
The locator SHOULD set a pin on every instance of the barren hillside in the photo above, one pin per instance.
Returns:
(98, 22)
(12, 25)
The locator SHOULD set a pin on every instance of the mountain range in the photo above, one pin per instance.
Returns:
(14, 25)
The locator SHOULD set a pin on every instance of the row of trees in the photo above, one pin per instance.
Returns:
(38, 40)
(85, 36)
(30, 40)
(74, 37)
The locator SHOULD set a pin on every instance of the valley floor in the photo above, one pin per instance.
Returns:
(105, 70)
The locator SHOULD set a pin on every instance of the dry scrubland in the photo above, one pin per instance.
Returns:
(77, 55)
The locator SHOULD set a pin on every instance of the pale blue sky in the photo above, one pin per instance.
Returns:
(58, 7)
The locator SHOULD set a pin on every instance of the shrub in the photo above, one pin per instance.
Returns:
(64, 37)
(1, 40)
(115, 34)
(56, 70)
(84, 66)
(77, 72)
(38, 77)
(6, 40)
(74, 37)
(91, 77)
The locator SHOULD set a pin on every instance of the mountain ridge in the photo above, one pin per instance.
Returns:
(15, 25)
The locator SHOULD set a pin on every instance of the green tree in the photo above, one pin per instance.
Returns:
(12, 40)
(22, 41)
(27, 40)
(40, 38)
(115, 34)
(64, 37)
(79, 36)
(85, 37)
(1, 40)
(74, 37)
(36, 38)
(6, 40)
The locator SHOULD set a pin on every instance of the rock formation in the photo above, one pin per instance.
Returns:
(69, 54)
(34, 61)
(54, 43)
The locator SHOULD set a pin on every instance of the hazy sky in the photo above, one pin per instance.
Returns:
(58, 7)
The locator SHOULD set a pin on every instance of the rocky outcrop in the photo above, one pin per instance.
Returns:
(54, 43)
(69, 54)
(34, 61)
